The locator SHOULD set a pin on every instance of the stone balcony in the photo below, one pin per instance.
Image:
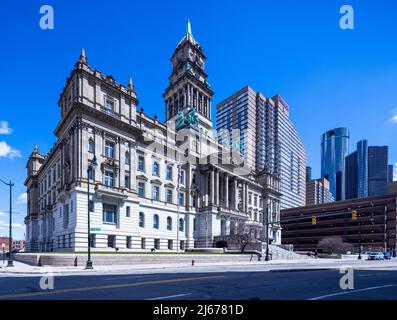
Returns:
(103, 191)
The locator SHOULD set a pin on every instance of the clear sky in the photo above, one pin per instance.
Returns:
(330, 77)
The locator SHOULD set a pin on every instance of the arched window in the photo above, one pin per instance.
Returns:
(127, 157)
(141, 220)
(91, 145)
(169, 223)
(181, 225)
(156, 223)
(156, 169)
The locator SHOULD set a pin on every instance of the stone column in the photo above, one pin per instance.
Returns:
(243, 197)
(227, 191)
(246, 196)
(235, 186)
(217, 188)
(212, 189)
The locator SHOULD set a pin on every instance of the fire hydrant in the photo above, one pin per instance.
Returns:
(193, 262)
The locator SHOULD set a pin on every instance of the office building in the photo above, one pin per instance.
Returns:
(268, 140)
(367, 171)
(334, 149)
(317, 192)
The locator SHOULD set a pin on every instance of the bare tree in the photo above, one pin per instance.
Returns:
(242, 240)
(334, 245)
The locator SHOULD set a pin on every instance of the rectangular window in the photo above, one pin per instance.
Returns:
(168, 193)
(109, 214)
(109, 105)
(169, 173)
(91, 174)
(109, 179)
(157, 244)
(143, 243)
(141, 163)
(128, 212)
(111, 241)
(128, 243)
(141, 189)
(70, 241)
(181, 199)
(64, 241)
(255, 200)
(109, 149)
(127, 181)
(182, 177)
(170, 245)
(155, 193)
(91, 146)
(182, 245)
(65, 216)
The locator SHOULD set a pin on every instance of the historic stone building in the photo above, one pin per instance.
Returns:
(168, 186)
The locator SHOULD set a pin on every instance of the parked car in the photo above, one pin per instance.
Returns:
(376, 256)
(387, 255)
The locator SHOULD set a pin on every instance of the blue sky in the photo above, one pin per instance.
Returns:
(330, 77)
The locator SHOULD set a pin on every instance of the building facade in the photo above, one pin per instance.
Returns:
(167, 186)
(317, 192)
(367, 171)
(266, 138)
(374, 229)
(334, 149)
(390, 173)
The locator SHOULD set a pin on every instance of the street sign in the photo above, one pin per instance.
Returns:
(95, 229)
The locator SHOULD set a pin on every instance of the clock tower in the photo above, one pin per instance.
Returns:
(188, 90)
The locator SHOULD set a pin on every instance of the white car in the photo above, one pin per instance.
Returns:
(376, 256)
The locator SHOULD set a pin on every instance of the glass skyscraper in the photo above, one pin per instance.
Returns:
(377, 170)
(367, 171)
(334, 149)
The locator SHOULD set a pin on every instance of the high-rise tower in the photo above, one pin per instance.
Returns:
(334, 149)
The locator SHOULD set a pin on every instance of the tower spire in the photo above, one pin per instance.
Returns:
(83, 58)
(188, 27)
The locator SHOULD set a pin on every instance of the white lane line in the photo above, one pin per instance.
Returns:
(353, 291)
(170, 297)
(129, 277)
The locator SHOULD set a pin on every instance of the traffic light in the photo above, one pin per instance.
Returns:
(314, 220)
(354, 215)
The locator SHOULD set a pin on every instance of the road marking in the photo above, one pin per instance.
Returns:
(371, 275)
(170, 297)
(352, 291)
(129, 277)
(113, 286)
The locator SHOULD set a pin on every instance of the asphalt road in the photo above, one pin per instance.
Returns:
(243, 285)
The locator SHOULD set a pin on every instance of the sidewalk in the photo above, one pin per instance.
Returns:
(275, 265)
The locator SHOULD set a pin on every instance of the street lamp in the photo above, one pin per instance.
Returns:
(10, 263)
(91, 169)
(359, 247)
(267, 257)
